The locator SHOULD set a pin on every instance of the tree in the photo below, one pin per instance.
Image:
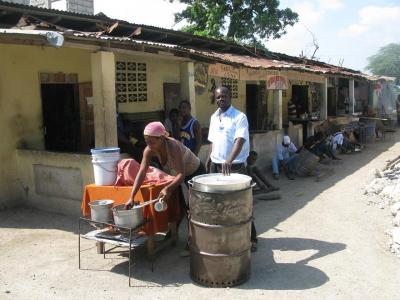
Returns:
(386, 62)
(246, 21)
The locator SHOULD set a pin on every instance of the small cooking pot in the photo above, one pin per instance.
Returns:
(128, 218)
(217, 182)
(100, 210)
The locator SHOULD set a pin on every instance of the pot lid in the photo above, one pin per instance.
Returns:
(218, 179)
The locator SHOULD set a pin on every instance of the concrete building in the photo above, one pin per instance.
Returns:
(60, 91)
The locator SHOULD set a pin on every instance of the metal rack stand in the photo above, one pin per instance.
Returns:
(99, 235)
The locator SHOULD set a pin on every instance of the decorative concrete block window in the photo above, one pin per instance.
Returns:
(232, 84)
(131, 81)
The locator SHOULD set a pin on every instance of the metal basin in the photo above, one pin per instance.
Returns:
(128, 218)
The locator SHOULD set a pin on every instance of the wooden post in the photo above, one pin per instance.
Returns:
(324, 101)
(351, 95)
(277, 109)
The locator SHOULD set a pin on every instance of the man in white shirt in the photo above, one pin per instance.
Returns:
(229, 142)
(284, 157)
(229, 136)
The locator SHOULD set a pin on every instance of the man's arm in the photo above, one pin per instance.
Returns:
(237, 147)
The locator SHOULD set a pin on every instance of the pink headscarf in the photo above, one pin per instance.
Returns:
(155, 129)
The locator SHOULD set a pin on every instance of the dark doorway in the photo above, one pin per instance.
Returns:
(331, 101)
(300, 98)
(60, 106)
(256, 106)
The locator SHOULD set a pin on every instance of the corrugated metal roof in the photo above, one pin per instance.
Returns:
(228, 58)
(195, 46)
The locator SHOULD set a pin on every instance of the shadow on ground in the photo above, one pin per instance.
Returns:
(266, 273)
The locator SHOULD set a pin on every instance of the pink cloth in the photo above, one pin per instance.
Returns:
(155, 129)
(129, 168)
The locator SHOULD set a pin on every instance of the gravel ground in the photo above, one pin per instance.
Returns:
(322, 240)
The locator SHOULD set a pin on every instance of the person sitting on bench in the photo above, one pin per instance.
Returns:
(284, 158)
(259, 178)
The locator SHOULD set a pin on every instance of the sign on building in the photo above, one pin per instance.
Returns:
(221, 70)
(277, 82)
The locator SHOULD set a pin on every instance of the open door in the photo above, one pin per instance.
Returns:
(256, 106)
(331, 101)
(60, 109)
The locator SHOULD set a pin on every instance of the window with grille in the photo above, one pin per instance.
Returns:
(232, 84)
(131, 81)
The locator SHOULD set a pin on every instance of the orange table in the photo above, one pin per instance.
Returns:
(156, 221)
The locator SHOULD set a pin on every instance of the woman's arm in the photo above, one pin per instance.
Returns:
(147, 154)
(179, 168)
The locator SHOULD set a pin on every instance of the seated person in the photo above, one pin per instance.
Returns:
(256, 175)
(317, 145)
(340, 140)
(349, 143)
(284, 158)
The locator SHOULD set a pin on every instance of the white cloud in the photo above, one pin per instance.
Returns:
(331, 4)
(355, 29)
(386, 20)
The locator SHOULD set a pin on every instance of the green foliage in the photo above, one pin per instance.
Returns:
(386, 62)
(246, 21)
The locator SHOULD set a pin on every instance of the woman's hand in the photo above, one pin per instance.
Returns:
(128, 204)
(165, 193)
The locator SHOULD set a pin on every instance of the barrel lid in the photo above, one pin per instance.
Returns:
(104, 150)
(218, 179)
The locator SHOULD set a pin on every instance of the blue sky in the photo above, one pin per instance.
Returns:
(351, 30)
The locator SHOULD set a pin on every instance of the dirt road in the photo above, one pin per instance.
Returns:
(320, 241)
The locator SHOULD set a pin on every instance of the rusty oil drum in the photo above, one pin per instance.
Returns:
(219, 236)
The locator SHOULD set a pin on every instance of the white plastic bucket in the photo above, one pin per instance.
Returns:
(105, 165)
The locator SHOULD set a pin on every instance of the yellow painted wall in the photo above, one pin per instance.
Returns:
(158, 72)
(20, 102)
(26, 159)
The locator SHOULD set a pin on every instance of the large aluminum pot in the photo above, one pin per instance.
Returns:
(100, 210)
(128, 218)
(217, 182)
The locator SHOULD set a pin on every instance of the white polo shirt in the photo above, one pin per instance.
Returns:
(224, 129)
